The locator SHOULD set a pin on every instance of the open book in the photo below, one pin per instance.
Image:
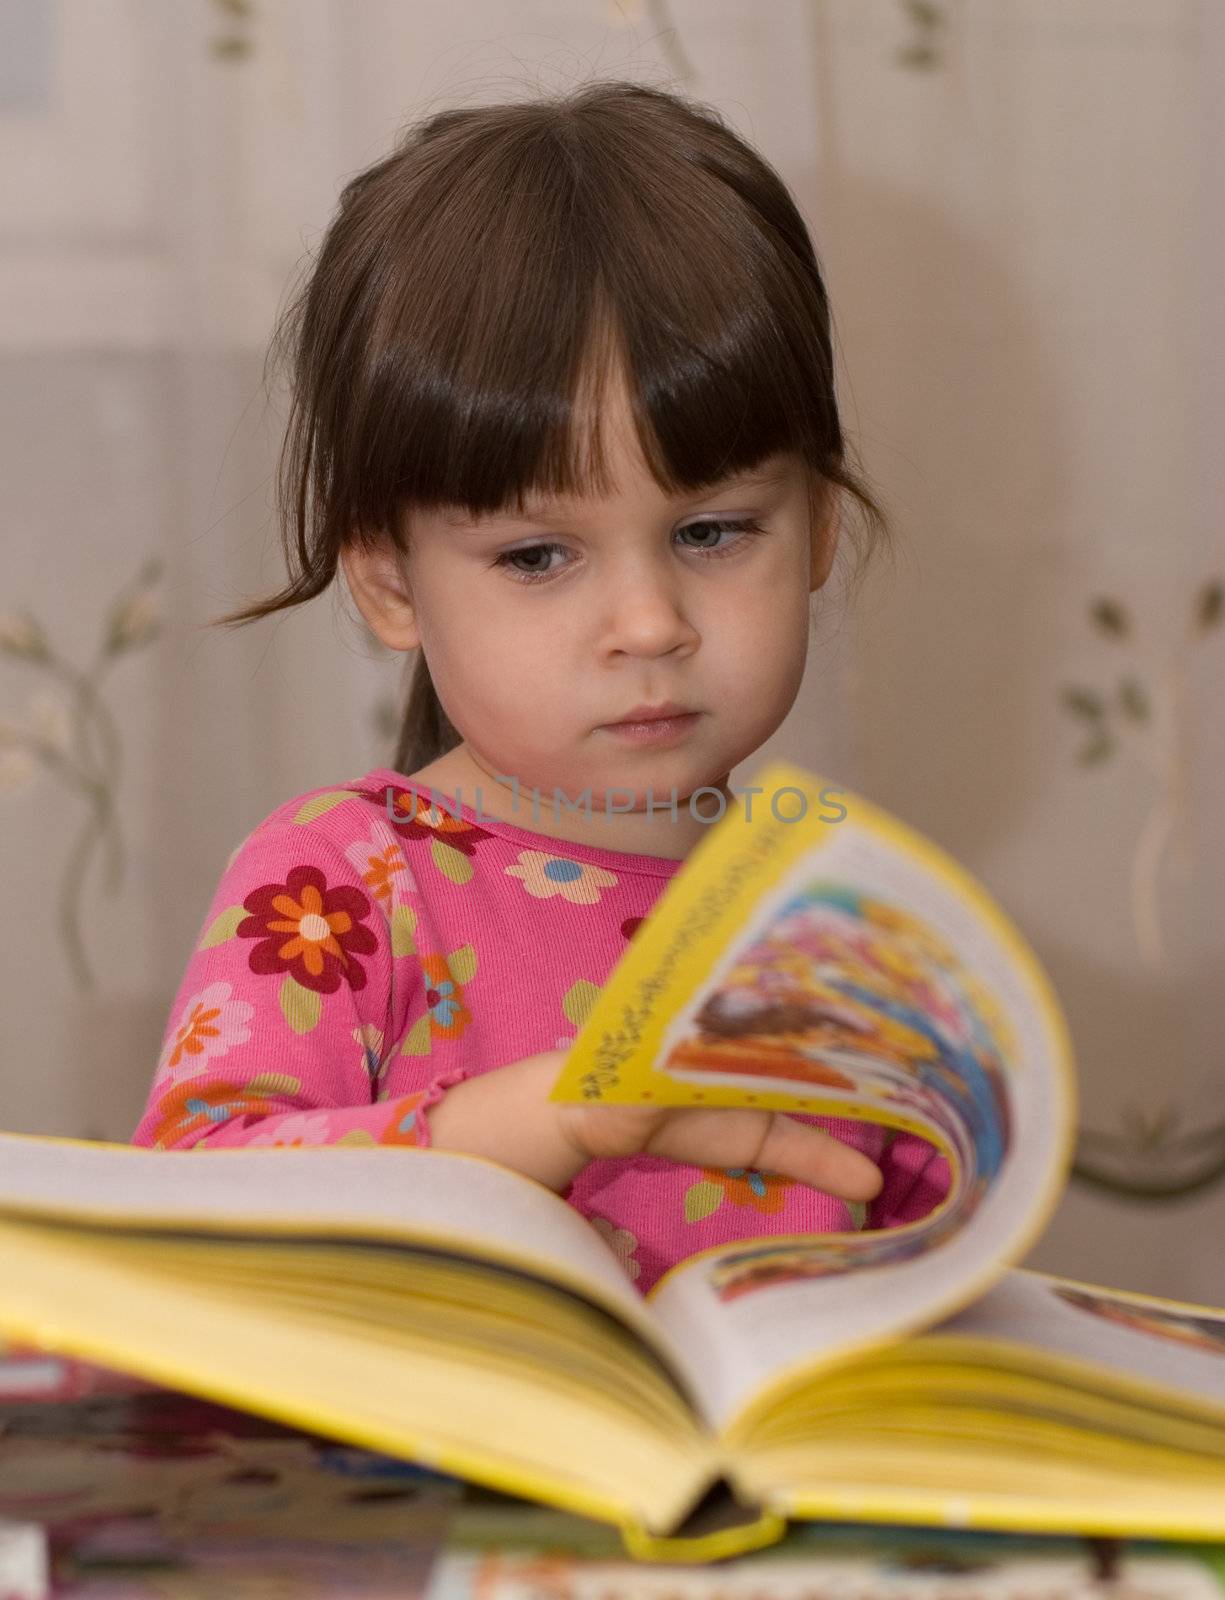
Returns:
(811, 954)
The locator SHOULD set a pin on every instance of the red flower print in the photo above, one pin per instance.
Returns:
(190, 1106)
(310, 931)
(410, 811)
(631, 926)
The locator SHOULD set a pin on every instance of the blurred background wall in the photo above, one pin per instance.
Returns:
(1018, 205)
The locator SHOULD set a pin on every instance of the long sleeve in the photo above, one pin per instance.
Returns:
(916, 1179)
(296, 992)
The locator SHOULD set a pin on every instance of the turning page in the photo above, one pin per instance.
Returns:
(815, 954)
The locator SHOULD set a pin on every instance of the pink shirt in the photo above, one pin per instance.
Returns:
(352, 967)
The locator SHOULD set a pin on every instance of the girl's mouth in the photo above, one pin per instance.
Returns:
(658, 730)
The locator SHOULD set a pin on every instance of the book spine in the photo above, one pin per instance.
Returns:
(720, 1524)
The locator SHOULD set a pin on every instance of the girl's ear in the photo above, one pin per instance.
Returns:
(376, 580)
(824, 545)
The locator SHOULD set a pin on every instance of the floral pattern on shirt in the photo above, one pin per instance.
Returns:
(355, 963)
(379, 857)
(544, 876)
(188, 1108)
(454, 840)
(212, 1023)
(764, 1191)
(620, 1241)
(446, 1014)
(309, 931)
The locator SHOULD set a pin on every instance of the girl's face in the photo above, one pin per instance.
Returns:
(540, 632)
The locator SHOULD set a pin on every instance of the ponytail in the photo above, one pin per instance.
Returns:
(426, 731)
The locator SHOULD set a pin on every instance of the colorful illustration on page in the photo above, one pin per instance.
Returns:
(857, 999)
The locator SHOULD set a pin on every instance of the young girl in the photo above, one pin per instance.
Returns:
(563, 411)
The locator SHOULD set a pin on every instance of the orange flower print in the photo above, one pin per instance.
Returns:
(764, 1191)
(309, 931)
(211, 1024)
(401, 1127)
(188, 1108)
(380, 860)
(544, 875)
(444, 997)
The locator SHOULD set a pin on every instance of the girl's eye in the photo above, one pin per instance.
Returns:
(746, 527)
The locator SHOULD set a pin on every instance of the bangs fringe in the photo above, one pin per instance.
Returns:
(550, 268)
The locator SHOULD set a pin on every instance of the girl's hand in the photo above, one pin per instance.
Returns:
(507, 1116)
(723, 1136)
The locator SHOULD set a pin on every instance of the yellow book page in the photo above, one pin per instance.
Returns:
(908, 1435)
(1157, 1357)
(945, 1381)
(222, 1317)
(444, 1199)
(965, 1485)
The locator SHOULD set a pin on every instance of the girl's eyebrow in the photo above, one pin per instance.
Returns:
(554, 511)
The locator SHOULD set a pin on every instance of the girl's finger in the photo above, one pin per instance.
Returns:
(770, 1141)
(796, 1150)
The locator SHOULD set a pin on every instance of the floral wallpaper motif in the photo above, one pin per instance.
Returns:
(71, 733)
(1154, 721)
(233, 42)
(927, 22)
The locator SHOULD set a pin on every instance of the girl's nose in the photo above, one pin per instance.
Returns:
(645, 614)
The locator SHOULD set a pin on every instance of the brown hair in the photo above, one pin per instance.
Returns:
(474, 282)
